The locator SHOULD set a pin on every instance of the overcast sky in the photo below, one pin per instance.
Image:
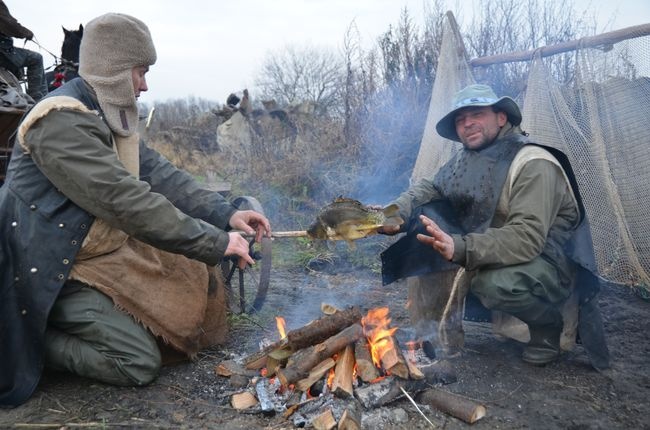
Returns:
(209, 49)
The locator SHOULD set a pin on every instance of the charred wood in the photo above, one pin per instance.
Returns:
(304, 360)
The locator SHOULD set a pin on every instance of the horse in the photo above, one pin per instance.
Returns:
(68, 68)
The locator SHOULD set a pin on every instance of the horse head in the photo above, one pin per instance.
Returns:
(71, 43)
(69, 65)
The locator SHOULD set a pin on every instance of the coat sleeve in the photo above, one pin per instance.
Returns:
(183, 190)
(74, 151)
(422, 192)
(540, 197)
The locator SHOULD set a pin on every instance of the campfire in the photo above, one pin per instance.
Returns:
(327, 372)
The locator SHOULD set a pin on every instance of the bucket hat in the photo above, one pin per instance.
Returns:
(476, 95)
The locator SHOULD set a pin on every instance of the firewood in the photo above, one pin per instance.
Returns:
(343, 373)
(414, 370)
(302, 362)
(319, 330)
(394, 362)
(315, 374)
(324, 421)
(243, 400)
(453, 404)
(366, 369)
(311, 334)
(350, 419)
(229, 367)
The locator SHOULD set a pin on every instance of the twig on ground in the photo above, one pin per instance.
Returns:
(416, 406)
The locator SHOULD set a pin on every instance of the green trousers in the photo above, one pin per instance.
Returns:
(532, 292)
(88, 336)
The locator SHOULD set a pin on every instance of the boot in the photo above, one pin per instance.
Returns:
(544, 345)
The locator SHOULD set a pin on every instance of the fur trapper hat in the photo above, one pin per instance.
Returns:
(112, 45)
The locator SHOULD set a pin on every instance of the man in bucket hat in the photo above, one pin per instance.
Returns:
(507, 211)
(106, 247)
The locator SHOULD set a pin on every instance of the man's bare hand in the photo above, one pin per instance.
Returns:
(251, 222)
(439, 240)
(238, 245)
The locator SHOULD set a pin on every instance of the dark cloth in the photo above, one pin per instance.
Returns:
(42, 230)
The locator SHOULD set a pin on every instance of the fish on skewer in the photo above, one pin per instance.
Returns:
(348, 219)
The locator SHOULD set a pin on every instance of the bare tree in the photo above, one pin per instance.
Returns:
(297, 74)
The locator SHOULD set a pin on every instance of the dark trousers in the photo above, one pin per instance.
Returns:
(15, 59)
(533, 291)
(87, 335)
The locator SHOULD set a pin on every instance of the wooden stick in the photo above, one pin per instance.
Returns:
(453, 404)
(394, 362)
(343, 374)
(366, 369)
(307, 335)
(604, 39)
(315, 374)
(280, 234)
(303, 361)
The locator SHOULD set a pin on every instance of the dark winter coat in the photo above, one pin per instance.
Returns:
(48, 203)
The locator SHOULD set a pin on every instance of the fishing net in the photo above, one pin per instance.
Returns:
(597, 111)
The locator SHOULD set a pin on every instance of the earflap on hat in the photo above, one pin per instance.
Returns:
(113, 44)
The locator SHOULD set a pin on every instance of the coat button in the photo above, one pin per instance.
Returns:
(24, 312)
(73, 242)
(32, 207)
(33, 270)
(14, 224)
(16, 279)
(83, 226)
(61, 225)
(66, 261)
(60, 276)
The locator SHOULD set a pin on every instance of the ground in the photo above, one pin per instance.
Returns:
(568, 394)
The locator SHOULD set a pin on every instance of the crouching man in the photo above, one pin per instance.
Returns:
(105, 247)
(507, 211)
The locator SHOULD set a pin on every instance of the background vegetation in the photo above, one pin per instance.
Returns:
(370, 107)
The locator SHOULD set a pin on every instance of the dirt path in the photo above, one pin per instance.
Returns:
(568, 394)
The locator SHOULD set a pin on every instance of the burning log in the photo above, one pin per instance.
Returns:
(366, 369)
(315, 332)
(319, 330)
(315, 374)
(453, 404)
(343, 374)
(303, 361)
(393, 359)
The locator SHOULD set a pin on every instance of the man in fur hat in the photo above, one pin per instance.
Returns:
(106, 248)
(507, 212)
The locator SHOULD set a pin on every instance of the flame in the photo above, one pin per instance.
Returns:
(375, 327)
(330, 377)
(281, 324)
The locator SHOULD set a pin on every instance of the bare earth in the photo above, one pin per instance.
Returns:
(568, 394)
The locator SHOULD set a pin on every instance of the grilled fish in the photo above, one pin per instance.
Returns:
(348, 219)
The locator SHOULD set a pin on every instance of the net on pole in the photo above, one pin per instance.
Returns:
(600, 118)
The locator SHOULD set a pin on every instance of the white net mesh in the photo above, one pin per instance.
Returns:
(601, 120)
